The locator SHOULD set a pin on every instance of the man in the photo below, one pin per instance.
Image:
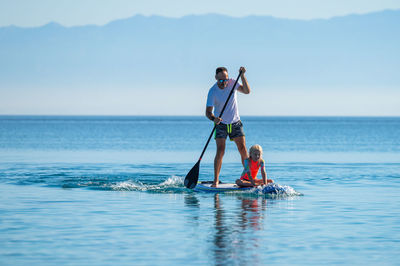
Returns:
(229, 123)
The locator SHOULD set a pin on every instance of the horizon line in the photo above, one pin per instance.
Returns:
(103, 115)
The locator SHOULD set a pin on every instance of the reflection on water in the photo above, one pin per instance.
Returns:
(234, 239)
(251, 212)
(222, 232)
(191, 200)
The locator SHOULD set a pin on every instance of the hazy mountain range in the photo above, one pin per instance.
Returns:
(354, 52)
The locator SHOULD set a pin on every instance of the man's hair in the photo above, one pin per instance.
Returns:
(220, 69)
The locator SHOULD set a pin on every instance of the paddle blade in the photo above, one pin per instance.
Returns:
(192, 177)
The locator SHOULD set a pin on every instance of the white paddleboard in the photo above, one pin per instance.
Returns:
(273, 188)
(223, 187)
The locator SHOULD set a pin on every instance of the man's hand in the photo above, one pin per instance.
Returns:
(217, 120)
(245, 88)
(211, 116)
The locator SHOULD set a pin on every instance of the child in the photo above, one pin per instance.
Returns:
(251, 166)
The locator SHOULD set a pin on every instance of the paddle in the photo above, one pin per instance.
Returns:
(193, 176)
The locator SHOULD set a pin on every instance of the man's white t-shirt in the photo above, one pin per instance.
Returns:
(217, 98)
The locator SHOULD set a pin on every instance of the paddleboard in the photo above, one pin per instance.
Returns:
(222, 187)
(205, 186)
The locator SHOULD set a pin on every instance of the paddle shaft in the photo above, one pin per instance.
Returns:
(220, 115)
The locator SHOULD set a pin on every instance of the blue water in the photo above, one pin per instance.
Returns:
(109, 191)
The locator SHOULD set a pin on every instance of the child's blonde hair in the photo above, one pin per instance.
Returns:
(254, 148)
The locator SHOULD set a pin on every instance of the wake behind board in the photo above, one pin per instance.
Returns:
(205, 186)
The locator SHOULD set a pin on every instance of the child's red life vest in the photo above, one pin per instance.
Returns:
(253, 166)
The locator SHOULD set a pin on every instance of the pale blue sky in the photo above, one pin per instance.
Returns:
(82, 12)
(266, 99)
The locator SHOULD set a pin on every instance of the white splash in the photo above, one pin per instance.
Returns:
(170, 183)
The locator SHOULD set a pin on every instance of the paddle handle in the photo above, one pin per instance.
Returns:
(220, 115)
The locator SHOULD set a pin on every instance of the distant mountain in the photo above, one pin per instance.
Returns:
(359, 50)
(355, 51)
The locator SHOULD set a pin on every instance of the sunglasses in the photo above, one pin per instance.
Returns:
(223, 80)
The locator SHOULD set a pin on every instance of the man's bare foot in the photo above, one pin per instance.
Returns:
(214, 185)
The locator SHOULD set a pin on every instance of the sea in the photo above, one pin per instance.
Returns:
(108, 190)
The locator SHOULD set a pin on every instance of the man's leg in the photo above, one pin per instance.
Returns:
(241, 145)
(218, 159)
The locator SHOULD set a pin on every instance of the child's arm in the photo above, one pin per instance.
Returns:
(265, 178)
(264, 175)
(251, 178)
(263, 172)
(247, 170)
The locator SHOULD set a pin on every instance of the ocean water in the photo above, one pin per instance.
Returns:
(109, 191)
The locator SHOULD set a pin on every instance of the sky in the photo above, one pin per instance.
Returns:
(32, 13)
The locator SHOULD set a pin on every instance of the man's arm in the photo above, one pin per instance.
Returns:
(211, 116)
(245, 88)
